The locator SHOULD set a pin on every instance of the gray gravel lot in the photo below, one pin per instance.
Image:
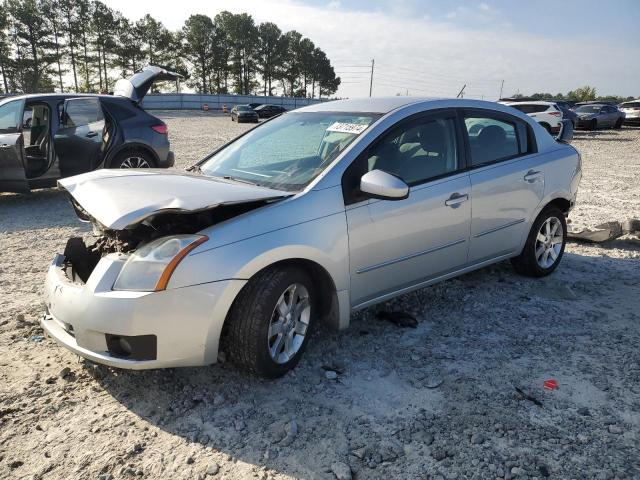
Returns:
(438, 401)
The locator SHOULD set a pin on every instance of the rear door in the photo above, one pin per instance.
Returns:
(78, 141)
(397, 244)
(12, 172)
(507, 182)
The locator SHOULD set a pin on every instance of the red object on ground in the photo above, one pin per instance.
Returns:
(550, 384)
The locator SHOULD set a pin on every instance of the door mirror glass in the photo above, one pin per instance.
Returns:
(380, 184)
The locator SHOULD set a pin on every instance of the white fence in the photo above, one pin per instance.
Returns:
(195, 101)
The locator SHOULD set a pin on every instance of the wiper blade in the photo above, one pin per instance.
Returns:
(240, 180)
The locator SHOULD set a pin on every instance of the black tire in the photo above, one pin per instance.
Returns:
(618, 124)
(593, 125)
(246, 337)
(527, 263)
(547, 127)
(133, 158)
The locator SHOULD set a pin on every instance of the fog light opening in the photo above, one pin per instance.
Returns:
(124, 346)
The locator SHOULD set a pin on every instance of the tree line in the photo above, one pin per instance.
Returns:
(581, 94)
(85, 46)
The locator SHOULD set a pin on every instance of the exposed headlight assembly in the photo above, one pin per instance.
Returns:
(149, 268)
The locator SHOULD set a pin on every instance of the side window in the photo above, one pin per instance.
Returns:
(418, 151)
(82, 111)
(10, 117)
(491, 140)
(35, 124)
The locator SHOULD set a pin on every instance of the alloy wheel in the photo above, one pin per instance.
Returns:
(549, 242)
(135, 162)
(289, 323)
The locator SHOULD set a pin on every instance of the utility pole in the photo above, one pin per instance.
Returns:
(371, 81)
(501, 87)
(461, 92)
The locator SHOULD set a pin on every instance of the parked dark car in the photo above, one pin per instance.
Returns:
(596, 115)
(268, 111)
(568, 114)
(254, 105)
(45, 137)
(244, 113)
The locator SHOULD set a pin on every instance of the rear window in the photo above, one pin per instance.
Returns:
(531, 108)
(630, 105)
(82, 111)
(491, 140)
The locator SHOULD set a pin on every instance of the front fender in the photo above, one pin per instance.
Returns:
(323, 241)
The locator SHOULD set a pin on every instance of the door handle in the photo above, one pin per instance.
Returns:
(532, 175)
(456, 199)
(91, 134)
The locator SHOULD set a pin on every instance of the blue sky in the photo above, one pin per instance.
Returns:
(432, 48)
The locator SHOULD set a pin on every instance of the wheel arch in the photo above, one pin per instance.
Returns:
(323, 281)
(131, 146)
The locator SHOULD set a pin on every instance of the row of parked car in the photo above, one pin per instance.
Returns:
(253, 112)
(587, 115)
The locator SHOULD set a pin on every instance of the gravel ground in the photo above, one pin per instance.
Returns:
(438, 401)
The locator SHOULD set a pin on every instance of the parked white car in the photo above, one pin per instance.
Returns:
(632, 112)
(307, 217)
(547, 114)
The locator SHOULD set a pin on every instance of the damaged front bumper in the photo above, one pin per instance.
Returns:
(136, 330)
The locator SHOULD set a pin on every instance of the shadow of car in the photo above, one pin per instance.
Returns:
(46, 137)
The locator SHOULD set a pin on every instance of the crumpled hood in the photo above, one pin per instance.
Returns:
(119, 199)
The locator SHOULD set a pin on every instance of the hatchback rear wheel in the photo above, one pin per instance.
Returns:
(270, 322)
(133, 159)
(545, 244)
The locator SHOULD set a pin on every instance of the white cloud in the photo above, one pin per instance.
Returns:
(429, 57)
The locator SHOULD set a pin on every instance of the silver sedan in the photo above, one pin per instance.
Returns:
(312, 215)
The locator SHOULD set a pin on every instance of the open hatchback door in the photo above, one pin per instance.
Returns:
(137, 86)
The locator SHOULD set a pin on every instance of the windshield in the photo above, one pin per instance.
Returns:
(589, 109)
(287, 153)
(243, 108)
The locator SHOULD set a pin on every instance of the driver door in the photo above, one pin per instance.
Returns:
(12, 173)
(78, 141)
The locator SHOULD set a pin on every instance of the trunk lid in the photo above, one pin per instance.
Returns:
(137, 86)
(121, 199)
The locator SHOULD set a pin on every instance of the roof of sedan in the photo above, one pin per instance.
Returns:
(385, 105)
(373, 104)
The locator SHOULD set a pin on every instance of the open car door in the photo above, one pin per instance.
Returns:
(12, 173)
(137, 86)
(78, 141)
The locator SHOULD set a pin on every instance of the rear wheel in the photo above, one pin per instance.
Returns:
(618, 124)
(545, 244)
(547, 127)
(270, 322)
(133, 159)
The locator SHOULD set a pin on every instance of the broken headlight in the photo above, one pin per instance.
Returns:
(150, 267)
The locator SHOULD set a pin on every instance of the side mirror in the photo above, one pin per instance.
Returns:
(565, 135)
(383, 185)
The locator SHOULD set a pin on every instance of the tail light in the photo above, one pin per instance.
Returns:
(556, 114)
(162, 128)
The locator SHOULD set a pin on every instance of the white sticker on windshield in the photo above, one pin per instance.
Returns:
(354, 128)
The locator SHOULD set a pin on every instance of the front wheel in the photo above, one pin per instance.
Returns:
(618, 124)
(593, 125)
(545, 244)
(270, 322)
